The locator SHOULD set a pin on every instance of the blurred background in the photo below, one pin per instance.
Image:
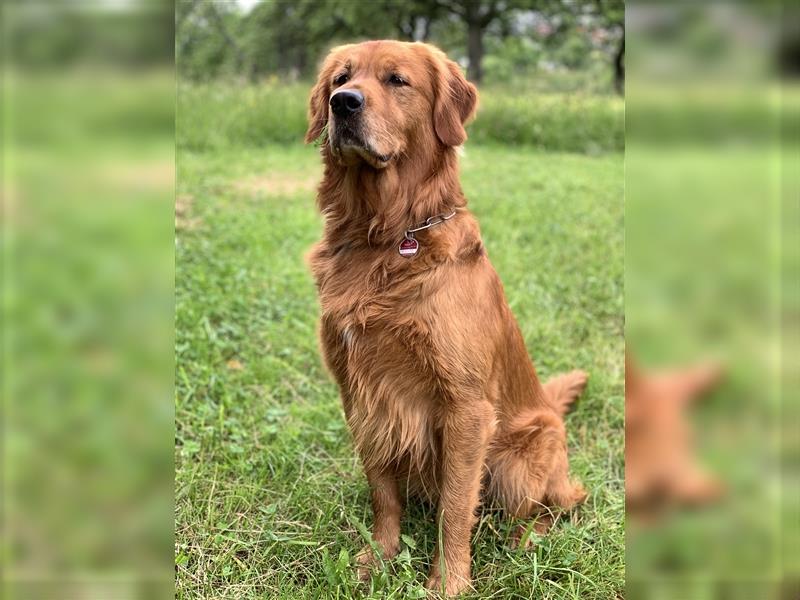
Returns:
(578, 44)
(87, 215)
(551, 72)
(711, 278)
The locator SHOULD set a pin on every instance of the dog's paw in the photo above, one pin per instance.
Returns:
(367, 562)
(455, 582)
(579, 493)
(541, 527)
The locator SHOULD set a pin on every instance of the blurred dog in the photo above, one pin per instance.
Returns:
(661, 468)
(438, 390)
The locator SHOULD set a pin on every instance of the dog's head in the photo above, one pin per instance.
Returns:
(383, 101)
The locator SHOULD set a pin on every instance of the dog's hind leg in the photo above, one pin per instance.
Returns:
(520, 461)
(528, 470)
(563, 492)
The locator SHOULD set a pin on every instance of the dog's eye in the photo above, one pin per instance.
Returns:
(341, 79)
(395, 79)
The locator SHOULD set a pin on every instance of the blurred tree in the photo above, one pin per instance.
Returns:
(477, 15)
(612, 16)
(415, 18)
(287, 36)
(278, 36)
(60, 33)
(206, 40)
(604, 19)
(283, 37)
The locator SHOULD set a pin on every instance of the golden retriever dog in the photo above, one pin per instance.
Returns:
(662, 470)
(438, 391)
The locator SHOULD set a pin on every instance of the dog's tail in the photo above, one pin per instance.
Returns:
(562, 390)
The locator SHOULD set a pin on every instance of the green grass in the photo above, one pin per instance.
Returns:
(718, 295)
(87, 319)
(214, 115)
(270, 498)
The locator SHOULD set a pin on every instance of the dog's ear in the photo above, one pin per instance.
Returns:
(318, 107)
(321, 92)
(456, 101)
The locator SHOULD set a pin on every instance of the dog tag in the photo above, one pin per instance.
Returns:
(409, 247)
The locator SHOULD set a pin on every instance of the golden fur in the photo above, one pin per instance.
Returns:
(661, 466)
(437, 387)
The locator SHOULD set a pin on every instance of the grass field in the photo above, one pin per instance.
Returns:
(270, 499)
(215, 116)
(718, 296)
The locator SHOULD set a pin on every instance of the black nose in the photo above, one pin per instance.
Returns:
(347, 102)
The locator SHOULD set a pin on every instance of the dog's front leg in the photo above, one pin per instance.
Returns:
(387, 510)
(466, 435)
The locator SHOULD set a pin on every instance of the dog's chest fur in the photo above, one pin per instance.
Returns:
(378, 345)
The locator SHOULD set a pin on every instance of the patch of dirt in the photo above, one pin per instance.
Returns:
(158, 175)
(278, 184)
(183, 211)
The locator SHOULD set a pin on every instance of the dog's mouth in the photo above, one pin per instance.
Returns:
(375, 159)
(349, 148)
